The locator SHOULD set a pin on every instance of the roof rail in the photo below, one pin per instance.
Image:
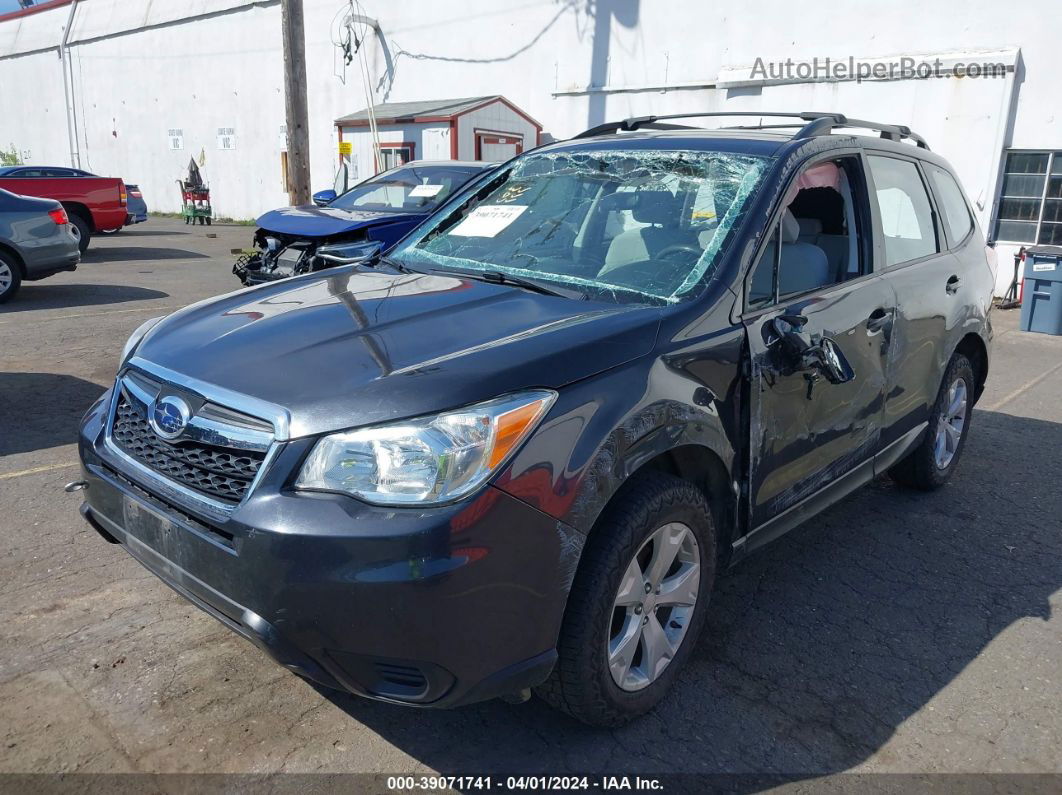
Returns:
(815, 124)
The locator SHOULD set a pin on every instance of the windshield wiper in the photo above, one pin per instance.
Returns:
(497, 277)
(398, 266)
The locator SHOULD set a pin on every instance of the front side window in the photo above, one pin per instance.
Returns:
(903, 204)
(409, 189)
(1030, 199)
(627, 225)
(957, 218)
(817, 241)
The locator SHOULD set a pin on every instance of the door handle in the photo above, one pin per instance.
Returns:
(879, 319)
(953, 284)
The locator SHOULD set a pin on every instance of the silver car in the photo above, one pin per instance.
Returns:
(36, 240)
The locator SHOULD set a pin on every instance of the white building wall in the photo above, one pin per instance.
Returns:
(495, 117)
(142, 68)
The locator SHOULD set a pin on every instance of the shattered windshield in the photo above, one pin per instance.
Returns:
(624, 225)
(412, 189)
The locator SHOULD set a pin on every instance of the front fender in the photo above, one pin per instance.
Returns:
(601, 431)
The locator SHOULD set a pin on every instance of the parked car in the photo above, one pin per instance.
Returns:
(36, 241)
(136, 209)
(92, 203)
(42, 171)
(514, 452)
(342, 229)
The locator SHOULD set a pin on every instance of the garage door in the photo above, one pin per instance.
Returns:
(496, 147)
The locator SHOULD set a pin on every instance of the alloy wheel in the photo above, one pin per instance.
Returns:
(6, 277)
(952, 421)
(653, 607)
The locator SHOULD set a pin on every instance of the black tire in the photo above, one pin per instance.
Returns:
(920, 470)
(582, 684)
(83, 228)
(208, 221)
(10, 267)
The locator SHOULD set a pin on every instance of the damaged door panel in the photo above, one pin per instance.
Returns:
(805, 430)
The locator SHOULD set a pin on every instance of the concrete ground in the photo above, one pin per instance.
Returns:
(897, 632)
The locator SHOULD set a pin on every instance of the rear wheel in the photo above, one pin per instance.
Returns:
(82, 231)
(10, 277)
(637, 604)
(930, 465)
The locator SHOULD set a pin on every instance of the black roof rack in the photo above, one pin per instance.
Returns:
(814, 124)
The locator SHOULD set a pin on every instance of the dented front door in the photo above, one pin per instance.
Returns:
(806, 431)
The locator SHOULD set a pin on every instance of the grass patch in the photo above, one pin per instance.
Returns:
(221, 219)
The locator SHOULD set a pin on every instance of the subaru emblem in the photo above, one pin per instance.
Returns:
(169, 416)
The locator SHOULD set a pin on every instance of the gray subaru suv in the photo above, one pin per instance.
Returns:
(511, 454)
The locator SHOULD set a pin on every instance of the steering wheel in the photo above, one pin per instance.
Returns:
(678, 248)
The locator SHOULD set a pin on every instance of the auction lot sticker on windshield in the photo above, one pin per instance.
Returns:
(487, 220)
(426, 190)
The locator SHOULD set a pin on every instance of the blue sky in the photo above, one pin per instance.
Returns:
(8, 5)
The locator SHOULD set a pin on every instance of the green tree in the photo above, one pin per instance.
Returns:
(10, 157)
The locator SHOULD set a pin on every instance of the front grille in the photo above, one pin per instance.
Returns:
(219, 472)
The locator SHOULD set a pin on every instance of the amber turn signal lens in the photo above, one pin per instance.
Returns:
(513, 426)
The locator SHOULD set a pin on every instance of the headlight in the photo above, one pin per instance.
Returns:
(426, 461)
(345, 253)
(135, 337)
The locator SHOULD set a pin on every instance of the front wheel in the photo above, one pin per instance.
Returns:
(637, 604)
(931, 464)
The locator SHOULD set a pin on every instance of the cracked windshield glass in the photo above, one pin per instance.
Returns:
(641, 226)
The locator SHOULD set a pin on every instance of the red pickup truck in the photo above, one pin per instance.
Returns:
(93, 203)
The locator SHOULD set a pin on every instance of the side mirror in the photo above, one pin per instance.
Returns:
(324, 197)
(832, 362)
(789, 330)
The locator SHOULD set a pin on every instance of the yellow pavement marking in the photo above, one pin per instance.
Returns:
(1022, 389)
(35, 470)
(95, 314)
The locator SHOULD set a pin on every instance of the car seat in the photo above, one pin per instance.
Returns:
(802, 266)
(835, 246)
(662, 211)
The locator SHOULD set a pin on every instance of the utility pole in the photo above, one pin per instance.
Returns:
(295, 100)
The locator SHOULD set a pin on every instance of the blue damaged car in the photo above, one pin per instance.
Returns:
(339, 230)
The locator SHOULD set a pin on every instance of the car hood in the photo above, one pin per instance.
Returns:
(357, 347)
(312, 221)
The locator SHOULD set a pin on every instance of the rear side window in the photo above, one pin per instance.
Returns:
(949, 196)
(906, 215)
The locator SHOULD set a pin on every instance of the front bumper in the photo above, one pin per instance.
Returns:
(432, 607)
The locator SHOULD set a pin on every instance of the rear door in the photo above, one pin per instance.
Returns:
(806, 431)
(926, 278)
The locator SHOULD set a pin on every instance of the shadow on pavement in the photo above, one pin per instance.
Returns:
(45, 295)
(819, 647)
(103, 254)
(42, 410)
(127, 232)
